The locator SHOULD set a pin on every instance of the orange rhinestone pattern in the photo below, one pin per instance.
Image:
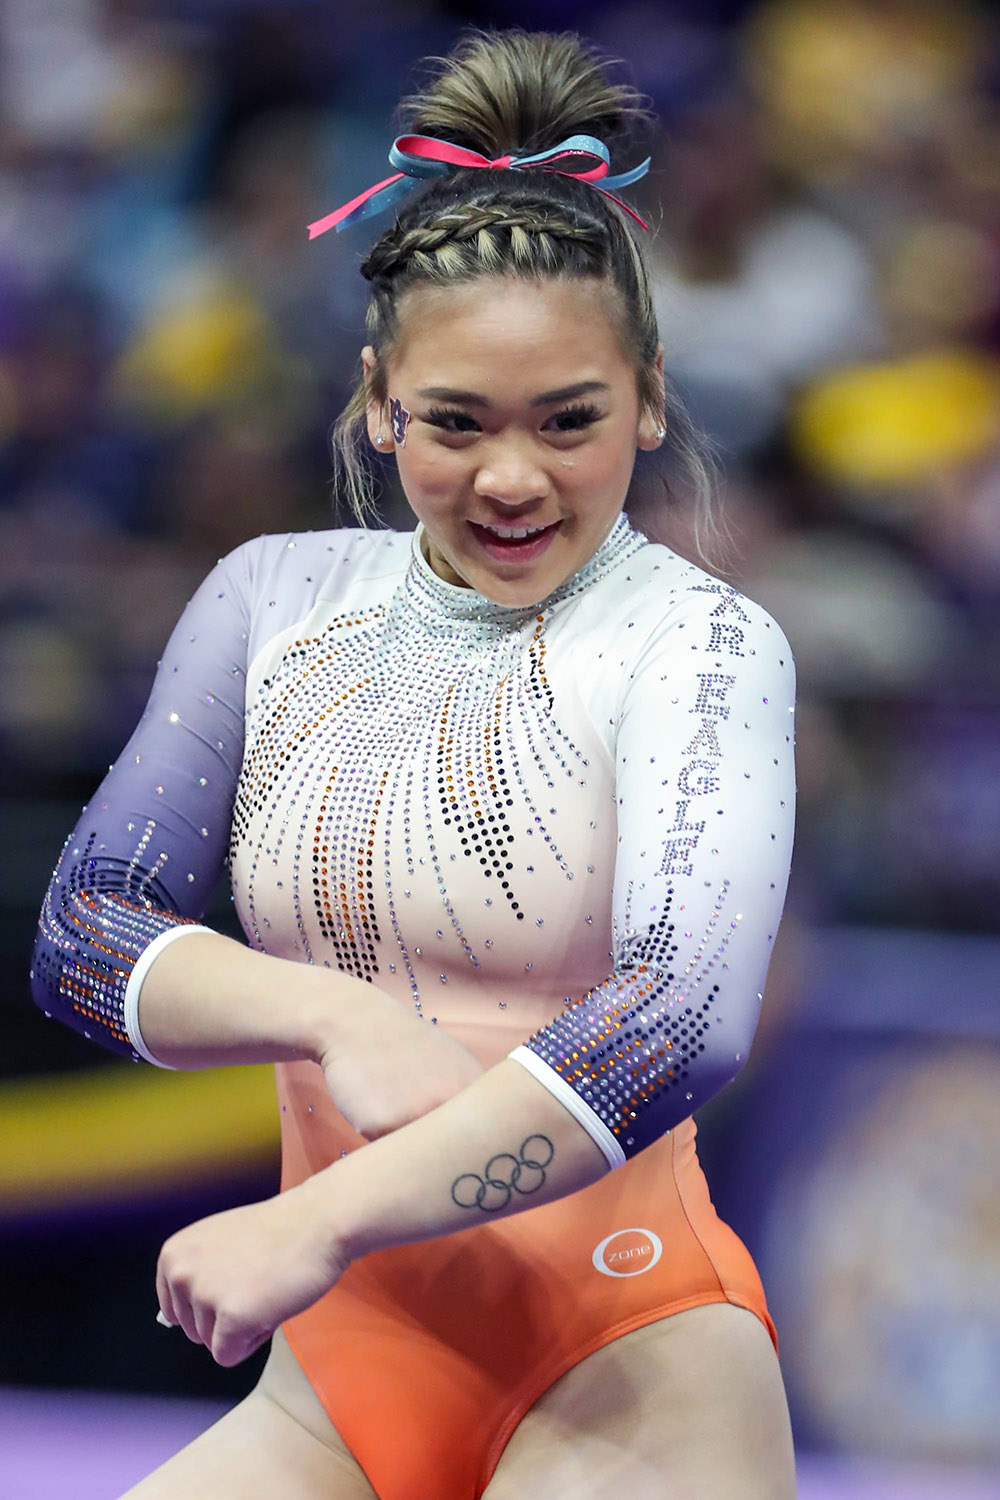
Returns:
(578, 813)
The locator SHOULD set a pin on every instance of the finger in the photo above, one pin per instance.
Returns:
(190, 1327)
(205, 1321)
(234, 1342)
(167, 1315)
(183, 1314)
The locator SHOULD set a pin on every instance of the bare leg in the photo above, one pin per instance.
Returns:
(689, 1408)
(279, 1441)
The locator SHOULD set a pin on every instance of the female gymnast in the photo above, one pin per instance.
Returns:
(507, 806)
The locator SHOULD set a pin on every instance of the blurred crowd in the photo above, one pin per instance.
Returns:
(825, 191)
(825, 195)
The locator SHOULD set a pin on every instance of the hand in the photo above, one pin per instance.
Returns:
(231, 1279)
(393, 1067)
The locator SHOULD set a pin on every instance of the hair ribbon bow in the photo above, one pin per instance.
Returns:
(417, 156)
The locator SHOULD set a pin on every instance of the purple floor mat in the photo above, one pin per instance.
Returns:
(78, 1446)
(72, 1446)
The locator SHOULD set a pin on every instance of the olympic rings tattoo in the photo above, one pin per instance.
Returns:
(505, 1173)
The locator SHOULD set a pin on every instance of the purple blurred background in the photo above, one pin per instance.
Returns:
(826, 190)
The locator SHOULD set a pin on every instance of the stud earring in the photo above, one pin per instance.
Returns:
(380, 438)
(661, 433)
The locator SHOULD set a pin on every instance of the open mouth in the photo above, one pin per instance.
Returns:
(514, 541)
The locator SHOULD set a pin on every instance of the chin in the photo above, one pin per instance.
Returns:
(520, 589)
(525, 584)
(515, 596)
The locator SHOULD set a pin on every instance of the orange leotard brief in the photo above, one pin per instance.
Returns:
(427, 1356)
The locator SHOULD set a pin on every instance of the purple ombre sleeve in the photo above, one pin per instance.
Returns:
(142, 862)
(705, 804)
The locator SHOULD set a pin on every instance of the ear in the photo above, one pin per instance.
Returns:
(652, 424)
(377, 417)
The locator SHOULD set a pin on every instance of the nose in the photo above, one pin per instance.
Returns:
(510, 474)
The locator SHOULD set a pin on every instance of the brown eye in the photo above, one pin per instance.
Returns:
(452, 421)
(575, 418)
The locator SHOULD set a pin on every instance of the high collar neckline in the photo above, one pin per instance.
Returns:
(436, 599)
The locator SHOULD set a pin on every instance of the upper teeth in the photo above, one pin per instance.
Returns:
(515, 531)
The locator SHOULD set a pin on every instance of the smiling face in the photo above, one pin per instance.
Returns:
(524, 418)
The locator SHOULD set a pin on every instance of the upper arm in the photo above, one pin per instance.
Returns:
(705, 792)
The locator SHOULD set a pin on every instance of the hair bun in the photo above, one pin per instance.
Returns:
(521, 92)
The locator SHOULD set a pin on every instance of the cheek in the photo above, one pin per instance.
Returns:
(429, 475)
(603, 474)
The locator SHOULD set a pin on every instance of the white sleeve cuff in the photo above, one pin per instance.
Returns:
(578, 1108)
(134, 986)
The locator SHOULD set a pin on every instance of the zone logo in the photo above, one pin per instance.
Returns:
(628, 1252)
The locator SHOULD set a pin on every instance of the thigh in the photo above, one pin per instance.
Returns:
(689, 1408)
(279, 1441)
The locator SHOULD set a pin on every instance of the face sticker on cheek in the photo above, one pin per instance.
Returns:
(399, 420)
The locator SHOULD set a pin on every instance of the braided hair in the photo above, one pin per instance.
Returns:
(516, 92)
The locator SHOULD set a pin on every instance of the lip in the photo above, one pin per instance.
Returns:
(524, 550)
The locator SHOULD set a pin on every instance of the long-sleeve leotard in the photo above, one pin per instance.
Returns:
(568, 826)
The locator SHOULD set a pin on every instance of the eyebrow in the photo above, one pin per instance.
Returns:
(547, 398)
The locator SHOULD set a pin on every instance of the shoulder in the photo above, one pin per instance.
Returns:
(320, 557)
(295, 581)
(282, 577)
(656, 599)
(658, 631)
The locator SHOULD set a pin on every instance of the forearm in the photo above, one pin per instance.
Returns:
(208, 1001)
(435, 1175)
(231, 1279)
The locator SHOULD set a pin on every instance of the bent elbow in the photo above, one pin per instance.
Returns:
(78, 987)
(723, 1058)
